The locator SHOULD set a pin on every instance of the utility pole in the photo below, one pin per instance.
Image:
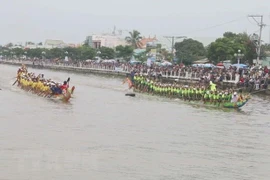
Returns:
(172, 39)
(261, 25)
(114, 29)
(269, 32)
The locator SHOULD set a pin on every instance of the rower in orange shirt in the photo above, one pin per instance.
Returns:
(127, 80)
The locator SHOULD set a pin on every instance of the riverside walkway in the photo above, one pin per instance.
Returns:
(121, 70)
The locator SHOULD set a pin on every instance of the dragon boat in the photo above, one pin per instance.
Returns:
(229, 105)
(226, 104)
(45, 91)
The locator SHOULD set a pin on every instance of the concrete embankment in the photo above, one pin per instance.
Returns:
(185, 81)
(69, 68)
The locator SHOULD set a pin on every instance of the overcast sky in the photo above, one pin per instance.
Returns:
(73, 20)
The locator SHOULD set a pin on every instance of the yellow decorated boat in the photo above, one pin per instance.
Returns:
(43, 87)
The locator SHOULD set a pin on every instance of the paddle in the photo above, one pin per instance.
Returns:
(14, 82)
(68, 80)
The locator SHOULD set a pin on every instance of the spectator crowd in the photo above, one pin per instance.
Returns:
(252, 77)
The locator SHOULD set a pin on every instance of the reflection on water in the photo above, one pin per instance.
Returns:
(102, 134)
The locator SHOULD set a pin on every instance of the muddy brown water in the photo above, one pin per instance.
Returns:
(103, 134)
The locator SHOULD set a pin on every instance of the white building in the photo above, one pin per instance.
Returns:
(106, 40)
(49, 44)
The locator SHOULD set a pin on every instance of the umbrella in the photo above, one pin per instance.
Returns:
(166, 63)
(256, 67)
(208, 66)
(135, 62)
(197, 65)
(220, 67)
(240, 65)
(220, 64)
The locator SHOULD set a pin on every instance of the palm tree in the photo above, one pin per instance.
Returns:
(134, 39)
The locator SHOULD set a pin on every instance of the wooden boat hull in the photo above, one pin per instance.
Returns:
(234, 105)
(227, 105)
(65, 97)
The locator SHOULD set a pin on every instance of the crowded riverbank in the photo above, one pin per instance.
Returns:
(246, 80)
(105, 69)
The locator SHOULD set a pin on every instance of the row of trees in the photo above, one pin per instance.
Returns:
(187, 51)
(220, 50)
(80, 53)
(85, 52)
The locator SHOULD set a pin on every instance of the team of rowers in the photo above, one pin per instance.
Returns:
(39, 85)
(143, 84)
(47, 88)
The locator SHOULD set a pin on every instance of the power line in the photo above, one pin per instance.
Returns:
(214, 26)
(172, 41)
(250, 21)
(269, 37)
(261, 25)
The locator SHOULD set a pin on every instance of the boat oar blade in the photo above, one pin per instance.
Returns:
(68, 79)
(14, 82)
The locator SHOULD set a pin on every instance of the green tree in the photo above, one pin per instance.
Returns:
(189, 50)
(107, 53)
(86, 41)
(265, 50)
(141, 57)
(34, 53)
(124, 52)
(9, 45)
(134, 39)
(18, 52)
(73, 53)
(6, 52)
(86, 52)
(224, 48)
(229, 35)
(164, 54)
(250, 47)
(55, 53)
(266, 47)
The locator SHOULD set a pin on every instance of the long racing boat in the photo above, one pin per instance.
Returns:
(221, 104)
(44, 88)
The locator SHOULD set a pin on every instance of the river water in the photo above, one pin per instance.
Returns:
(102, 134)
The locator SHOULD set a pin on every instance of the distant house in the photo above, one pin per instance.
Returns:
(146, 42)
(54, 44)
(71, 45)
(30, 45)
(104, 40)
(16, 46)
